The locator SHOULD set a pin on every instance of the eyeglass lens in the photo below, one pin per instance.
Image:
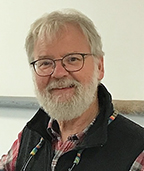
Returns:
(45, 67)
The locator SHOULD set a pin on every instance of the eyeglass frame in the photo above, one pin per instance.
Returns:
(61, 59)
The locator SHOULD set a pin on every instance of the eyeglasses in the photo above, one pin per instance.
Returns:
(71, 62)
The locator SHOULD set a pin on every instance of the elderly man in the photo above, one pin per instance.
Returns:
(76, 127)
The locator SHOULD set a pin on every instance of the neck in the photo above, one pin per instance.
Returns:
(77, 125)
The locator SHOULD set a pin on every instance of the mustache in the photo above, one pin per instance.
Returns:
(62, 83)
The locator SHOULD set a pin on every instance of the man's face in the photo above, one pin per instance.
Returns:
(63, 89)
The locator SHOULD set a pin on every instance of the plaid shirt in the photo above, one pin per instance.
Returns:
(61, 147)
(138, 165)
(8, 162)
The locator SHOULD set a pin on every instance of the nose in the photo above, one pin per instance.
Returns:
(59, 70)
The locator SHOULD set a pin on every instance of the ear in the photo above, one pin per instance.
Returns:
(100, 68)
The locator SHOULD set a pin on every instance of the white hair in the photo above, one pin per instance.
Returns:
(49, 24)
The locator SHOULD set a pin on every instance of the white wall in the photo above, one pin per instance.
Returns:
(119, 22)
(12, 121)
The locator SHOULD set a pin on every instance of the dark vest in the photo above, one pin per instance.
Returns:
(106, 147)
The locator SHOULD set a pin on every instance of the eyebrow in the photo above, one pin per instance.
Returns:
(52, 57)
(45, 56)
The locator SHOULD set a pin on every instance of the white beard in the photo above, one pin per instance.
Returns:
(72, 107)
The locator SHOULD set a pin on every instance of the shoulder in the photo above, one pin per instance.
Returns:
(127, 132)
(126, 126)
(126, 137)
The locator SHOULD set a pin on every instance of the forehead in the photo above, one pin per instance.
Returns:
(67, 39)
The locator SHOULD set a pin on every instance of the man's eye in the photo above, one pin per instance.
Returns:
(73, 59)
(45, 64)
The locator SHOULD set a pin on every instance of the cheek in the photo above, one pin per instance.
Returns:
(85, 75)
(41, 82)
(88, 73)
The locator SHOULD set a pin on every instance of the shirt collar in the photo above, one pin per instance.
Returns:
(54, 130)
